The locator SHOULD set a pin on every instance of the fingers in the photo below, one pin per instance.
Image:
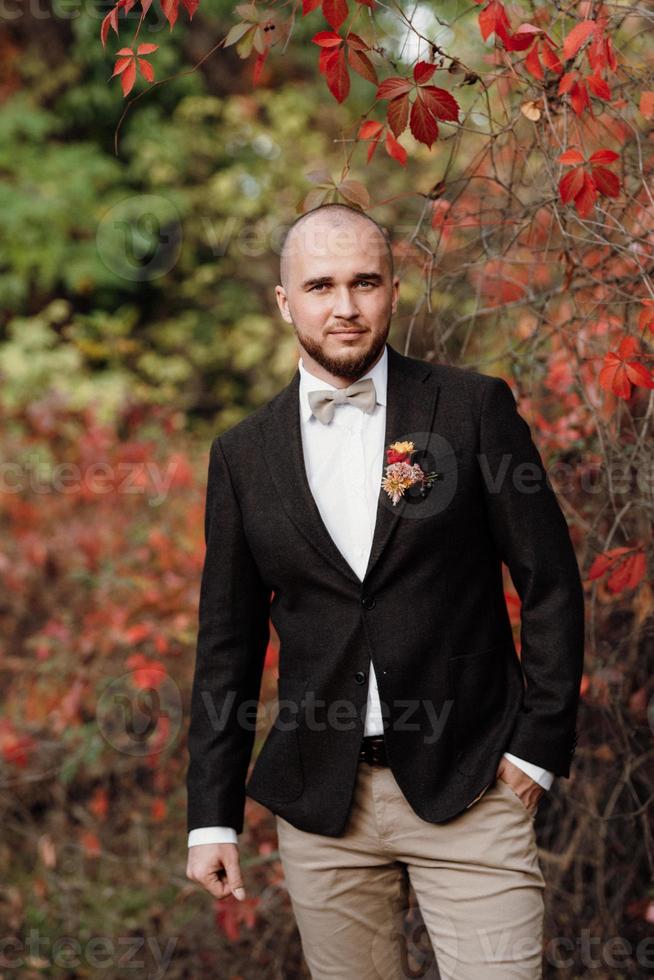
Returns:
(233, 869)
(216, 867)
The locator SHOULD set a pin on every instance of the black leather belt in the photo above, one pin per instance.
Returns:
(373, 750)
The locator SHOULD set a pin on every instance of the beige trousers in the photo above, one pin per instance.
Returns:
(477, 881)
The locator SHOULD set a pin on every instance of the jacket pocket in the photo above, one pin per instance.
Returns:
(278, 774)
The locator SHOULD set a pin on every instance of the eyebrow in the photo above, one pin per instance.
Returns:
(373, 276)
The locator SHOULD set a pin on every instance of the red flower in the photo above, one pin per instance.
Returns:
(392, 456)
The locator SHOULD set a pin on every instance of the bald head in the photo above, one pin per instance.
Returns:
(333, 229)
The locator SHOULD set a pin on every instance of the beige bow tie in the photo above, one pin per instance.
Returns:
(360, 393)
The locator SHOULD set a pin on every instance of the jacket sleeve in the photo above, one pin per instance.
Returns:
(233, 633)
(532, 538)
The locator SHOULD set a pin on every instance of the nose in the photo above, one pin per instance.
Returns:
(344, 306)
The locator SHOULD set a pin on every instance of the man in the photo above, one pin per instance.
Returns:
(408, 745)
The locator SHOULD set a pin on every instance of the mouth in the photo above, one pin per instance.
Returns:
(346, 333)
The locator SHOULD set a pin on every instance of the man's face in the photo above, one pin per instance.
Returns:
(339, 295)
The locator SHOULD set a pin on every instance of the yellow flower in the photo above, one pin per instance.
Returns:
(402, 447)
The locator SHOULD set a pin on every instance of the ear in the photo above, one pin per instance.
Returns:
(396, 293)
(282, 303)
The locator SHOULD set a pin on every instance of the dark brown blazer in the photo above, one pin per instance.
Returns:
(430, 612)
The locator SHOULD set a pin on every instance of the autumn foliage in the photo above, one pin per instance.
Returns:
(562, 72)
(520, 136)
(536, 231)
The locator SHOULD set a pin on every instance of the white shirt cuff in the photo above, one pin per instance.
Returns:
(543, 777)
(212, 835)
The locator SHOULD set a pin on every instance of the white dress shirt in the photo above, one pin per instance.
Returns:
(344, 461)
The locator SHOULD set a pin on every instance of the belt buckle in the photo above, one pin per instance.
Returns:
(374, 750)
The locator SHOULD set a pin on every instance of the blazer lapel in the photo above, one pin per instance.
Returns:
(410, 407)
(282, 438)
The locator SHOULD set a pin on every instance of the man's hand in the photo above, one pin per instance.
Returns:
(524, 787)
(211, 864)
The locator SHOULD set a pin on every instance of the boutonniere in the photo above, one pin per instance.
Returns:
(401, 473)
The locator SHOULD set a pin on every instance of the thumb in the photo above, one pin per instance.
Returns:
(233, 871)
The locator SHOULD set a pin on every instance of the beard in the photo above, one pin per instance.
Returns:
(350, 365)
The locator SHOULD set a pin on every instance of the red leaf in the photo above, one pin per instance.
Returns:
(146, 48)
(170, 8)
(550, 58)
(398, 114)
(422, 122)
(601, 563)
(393, 88)
(600, 51)
(370, 129)
(532, 63)
(522, 39)
(628, 346)
(423, 71)
(629, 573)
(357, 42)
(614, 378)
(579, 97)
(362, 65)
(571, 156)
(440, 102)
(327, 39)
(309, 5)
(394, 149)
(606, 181)
(585, 199)
(626, 568)
(324, 59)
(338, 78)
(604, 156)
(335, 12)
(577, 36)
(372, 146)
(111, 20)
(639, 374)
(146, 69)
(619, 373)
(598, 86)
(120, 66)
(570, 184)
(493, 19)
(566, 82)
(128, 77)
(529, 29)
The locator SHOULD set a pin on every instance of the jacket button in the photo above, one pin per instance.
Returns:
(360, 676)
(368, 602)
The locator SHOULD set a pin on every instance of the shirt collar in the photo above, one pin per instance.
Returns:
(309, 382)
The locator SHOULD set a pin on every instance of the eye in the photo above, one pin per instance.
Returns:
(360, 282)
